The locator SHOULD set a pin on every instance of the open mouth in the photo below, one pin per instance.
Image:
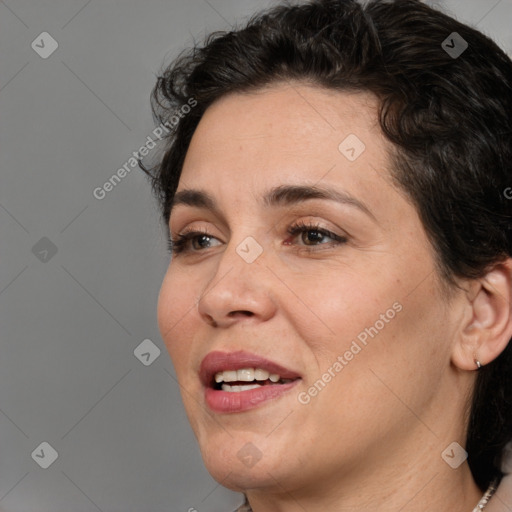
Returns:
(238, 381)
(245, 379)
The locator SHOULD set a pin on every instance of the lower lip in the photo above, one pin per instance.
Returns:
(226, 401)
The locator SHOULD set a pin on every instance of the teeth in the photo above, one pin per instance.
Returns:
(245, 375)
(260, 374)
(230, 376)
(237, 389)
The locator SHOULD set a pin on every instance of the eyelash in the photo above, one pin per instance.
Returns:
(179, 244)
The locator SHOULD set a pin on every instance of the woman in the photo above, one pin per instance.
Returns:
(338, 301)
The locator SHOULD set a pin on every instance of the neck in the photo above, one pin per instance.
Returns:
(422, 486)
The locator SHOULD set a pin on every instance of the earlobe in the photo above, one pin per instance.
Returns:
(487, 328)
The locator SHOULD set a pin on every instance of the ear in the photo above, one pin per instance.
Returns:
(486, 327)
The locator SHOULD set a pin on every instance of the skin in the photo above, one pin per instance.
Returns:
(372, 438)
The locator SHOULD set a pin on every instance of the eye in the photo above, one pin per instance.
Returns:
(200, 240)
(182, 241)
(315, 234)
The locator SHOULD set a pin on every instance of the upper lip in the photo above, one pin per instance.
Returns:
(217, 361)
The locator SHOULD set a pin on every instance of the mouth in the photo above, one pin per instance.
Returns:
(237, 381)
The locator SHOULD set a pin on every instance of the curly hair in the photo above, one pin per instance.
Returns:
(447, 117)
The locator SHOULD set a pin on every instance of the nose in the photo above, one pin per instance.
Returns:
(237, 291)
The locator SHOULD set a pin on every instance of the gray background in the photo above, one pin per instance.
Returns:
(71, 321)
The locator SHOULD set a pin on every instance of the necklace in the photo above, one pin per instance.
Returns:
(487, 496)
(481, 504)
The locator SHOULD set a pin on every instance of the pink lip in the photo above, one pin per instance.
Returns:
(226, 402)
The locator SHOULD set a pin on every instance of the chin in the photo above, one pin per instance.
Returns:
(241, 461)
(240, 478)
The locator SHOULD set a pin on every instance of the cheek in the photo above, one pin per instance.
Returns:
(379, 380)
(398, 346)
(344, 303)
(382, 320)
(174, 306)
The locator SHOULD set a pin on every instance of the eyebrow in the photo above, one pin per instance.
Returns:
(282, 195)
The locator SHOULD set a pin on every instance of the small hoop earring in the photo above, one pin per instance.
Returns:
(478, 364)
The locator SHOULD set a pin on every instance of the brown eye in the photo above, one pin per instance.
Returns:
(201, 239)
(183, 241)
(312, 235)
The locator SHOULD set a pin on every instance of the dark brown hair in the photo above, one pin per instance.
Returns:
(447, 116)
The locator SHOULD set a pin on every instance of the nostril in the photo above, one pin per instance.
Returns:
(245, 313)
(210, 320)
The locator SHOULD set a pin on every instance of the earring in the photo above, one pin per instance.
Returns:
(478, 364)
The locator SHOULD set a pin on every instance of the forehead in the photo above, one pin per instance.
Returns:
(247, 143)
(286, 114)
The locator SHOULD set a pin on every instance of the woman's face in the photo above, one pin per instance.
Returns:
(353, 319)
